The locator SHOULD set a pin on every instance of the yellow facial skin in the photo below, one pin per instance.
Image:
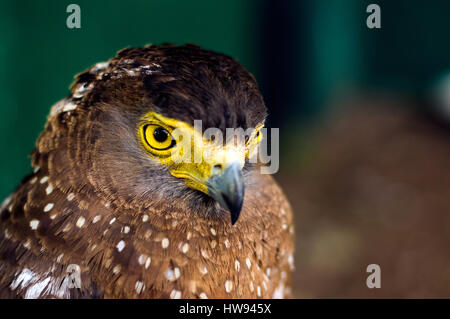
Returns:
(188, 154)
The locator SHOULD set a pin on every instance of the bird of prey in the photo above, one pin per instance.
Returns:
(108, 212)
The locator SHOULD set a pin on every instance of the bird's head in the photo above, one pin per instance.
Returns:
(167, 123)
(210, 163)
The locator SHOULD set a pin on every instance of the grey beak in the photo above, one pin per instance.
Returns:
(227, 189)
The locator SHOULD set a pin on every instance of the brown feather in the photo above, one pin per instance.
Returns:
(96, 201)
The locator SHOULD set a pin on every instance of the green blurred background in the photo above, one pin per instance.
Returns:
(309, 57)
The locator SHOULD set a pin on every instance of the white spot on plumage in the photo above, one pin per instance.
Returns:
(237, 265)
(44, 180)
(175, 294)
(5, 202)
(67, 228)
(36, 169)
(284, 226)
(34, 224)
(49, 189)
(170, 274)
(120, 246)
(7, 233)
(96, 219)
(78, 93)
(101, 66)
(279, 292)
(204, 270)
(48, 207)
(69, 106)
(23, 279)
(57, 108)
(144, 218)
(117, 269)
(252, 287)
(82, 89)
(112, 221)
(258, 291)
(227, 243)
(141, 259)
(130, 72)
(70, 197)
(34, 180)
(213, 244)
(248, 263)
(35, 291)
(59, 258)
(139, 286)
(126, 229)
(291, 262)
(53, 216)
(148, 262)
(80, 221)
(213, 231)
(177, 273)
(205, 254)
(185, 248)
(165, 243)
(203, 296)
(228, 286)
(107, 204)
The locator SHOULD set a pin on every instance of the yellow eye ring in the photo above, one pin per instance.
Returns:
(252, 142)
(157, 139)
(255, 137)
(258, 137)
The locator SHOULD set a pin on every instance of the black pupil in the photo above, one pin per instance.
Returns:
(160, 135)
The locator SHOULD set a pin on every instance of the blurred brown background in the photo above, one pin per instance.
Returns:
(374, 189)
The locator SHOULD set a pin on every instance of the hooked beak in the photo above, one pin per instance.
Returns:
(227, 188)
(218, 174)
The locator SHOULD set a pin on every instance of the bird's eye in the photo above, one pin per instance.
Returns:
(160, 135)
(157, 137)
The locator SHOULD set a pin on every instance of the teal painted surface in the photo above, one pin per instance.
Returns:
(39, 55)
(336, 48)
(331, 52)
